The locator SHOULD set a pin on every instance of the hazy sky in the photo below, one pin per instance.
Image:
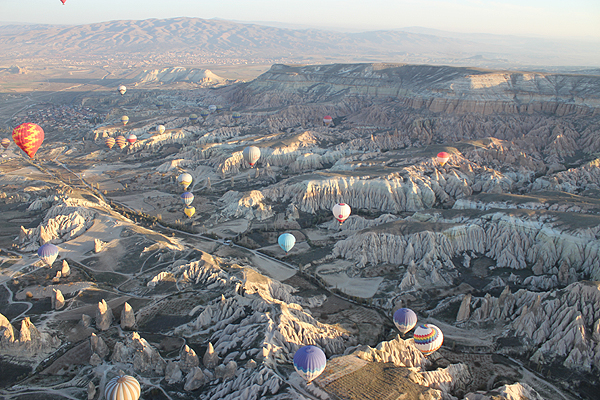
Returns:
(550, 18)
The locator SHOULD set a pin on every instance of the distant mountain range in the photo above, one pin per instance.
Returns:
(247, 41)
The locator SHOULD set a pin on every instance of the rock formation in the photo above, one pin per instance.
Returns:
(66, 270)
(57, 299)
(104, 316)
(188, 359)
(210, 359)
(127, 317)
(98, 346)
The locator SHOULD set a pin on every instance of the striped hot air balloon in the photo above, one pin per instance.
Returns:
(219, 109)
(212, 108)
(160, 129)
(28, 137)
(204, 114)
(341, 212)
(443, 158)
(236, 116)
(310, 362)
(327, 120)
(48, 253)
(5, 143)
(428, 338)
(185, 180)
(286, 241)
(187, 198)
(123, 387)
(124, 119)
(189, 211)
(251, 155)
(121, 141)
(193, 117)
(110, 142)
(405, 319)
(131, 139)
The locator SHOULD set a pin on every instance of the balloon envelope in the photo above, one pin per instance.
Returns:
(123, 387)
(28, 137)
(204, 114)
(189, 211)
(219, 108)
(251, 155)
(63, 1)
(124, 119)
(110, 142)
(428, 338)
(187, 198)
(286, 241)
(48, 252)
(193, 117)
(341, 212)
(236, 115)
(121, 141)
(405, 319)
(212, 108)
(443, 158)
(122, 89)
(327, 120)
(5, 143)
(184, 180)
(309, 361)
(160, 129)
(131, 138)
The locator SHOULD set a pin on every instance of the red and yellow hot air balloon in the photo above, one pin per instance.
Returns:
(110, 142)
(28, 137)
(443, 158)
(5, 143)
(121, 141)
(131, 138)
(327, 120)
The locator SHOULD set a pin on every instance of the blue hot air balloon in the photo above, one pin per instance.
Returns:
(48, 252)
(286, 241)
(405, 319)
(310, 362)
(187, 198)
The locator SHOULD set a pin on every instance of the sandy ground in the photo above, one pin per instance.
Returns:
(40, 292)
(317, 234)
(230, 229)
(334, 275)
(276, 251)
(137, 201)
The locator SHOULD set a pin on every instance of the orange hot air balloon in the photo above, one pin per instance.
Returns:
(443, 158)
(28, 137)
(110, 142)
(5, 143)
(121, 141)
(63, 1)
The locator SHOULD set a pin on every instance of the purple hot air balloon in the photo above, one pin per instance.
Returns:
(187, 198)
(48, 252)
(405, 319)
(310, 362)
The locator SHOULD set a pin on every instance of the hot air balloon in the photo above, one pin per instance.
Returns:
(428, 338)
(124, 119)
(122, 89)
(121, 141)
(341, 212)
(251, 155)
(212, 108)
(28, 137)
(5, 143)
(131, 138)
(63, 1)
(48, 252)
(189, 211)
(110, 142)
(405, 319)
(286, 241)
(193, 117)
(204, 114)
(236, 116)
(187, 198)
(160, 104)
(327, 120)
(160, 129)
(123, 387)
(184, 180)
(310, 362)
(219, 109)
(443, 158)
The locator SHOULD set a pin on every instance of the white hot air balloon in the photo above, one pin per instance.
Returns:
(123, 387)
(428, 338)
(185, 180)
(160, 129)
(122, 89)
(251, 155)
(341, 212)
